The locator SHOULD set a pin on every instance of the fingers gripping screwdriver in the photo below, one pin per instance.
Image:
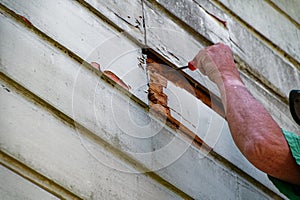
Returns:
(190, 66)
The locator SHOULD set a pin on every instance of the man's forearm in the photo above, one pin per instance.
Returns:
(256, 134)
(253, 129)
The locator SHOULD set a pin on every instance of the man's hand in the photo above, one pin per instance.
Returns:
(217, 63)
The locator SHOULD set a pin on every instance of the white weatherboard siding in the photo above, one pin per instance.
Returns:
(14, 187)
(109, 115)
(165, 36)
(292, 8)
(59, 152)
(73, 25)
(64, 122)
(275, 26)
(88, 37)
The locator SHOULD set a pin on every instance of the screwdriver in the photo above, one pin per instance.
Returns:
(190, 66)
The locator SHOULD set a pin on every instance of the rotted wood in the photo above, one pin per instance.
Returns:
(182, 80)
(159, 74)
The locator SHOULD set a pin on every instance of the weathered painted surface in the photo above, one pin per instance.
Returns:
(61, 153)
(275, 26)
(12, 186)
(73, 87)
(89, 37)
(99, 176)
(127, 15)
(291, 8)
(114, 134)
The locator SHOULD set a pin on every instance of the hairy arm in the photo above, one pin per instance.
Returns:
(254, 131)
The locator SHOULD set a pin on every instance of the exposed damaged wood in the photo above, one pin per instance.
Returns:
(159, 75)
(25, 20)
(112, 76)
(157, 99)
(157, 68)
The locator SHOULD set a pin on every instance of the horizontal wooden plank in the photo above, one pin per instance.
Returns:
(127, 15)
(186, 51)
(263, 61)
(98, 176)
(80, 31)
(34, 177)
(138, 83)
(13, 186)
(78, 92)
(58, 151)
(67, 85)
(269, 22)
(291, 8)
(89, 37)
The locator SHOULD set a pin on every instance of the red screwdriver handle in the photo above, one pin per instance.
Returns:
(191, 66)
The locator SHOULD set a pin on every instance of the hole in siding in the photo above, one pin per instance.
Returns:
(175, 96)
(157, 65)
